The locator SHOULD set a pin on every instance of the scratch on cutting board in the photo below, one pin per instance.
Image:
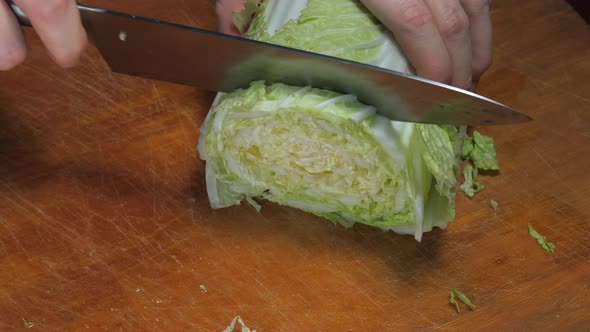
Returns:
(273, 305)
(554, 171)
(227, 256)
(539, 80)
(419, 311)
(20, 201)
(143, 246)
(365, 272)
(97, 66)
(157, 98)
(176, 260)
(4, 222)
(162, 253)
(184, 11)
(116, 225)
(71, 85)
(85, 84)
(351, 285)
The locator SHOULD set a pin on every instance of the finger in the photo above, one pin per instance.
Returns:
(481, 35)
(12, 43)
(413, 26)
(225, 10)
(57, 22)
(453, 25)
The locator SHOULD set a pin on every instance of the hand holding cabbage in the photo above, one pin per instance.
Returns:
(445, 40)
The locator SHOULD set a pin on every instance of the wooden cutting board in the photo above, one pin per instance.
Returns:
(105, 223)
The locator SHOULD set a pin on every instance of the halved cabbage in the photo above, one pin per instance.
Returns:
(324, 152)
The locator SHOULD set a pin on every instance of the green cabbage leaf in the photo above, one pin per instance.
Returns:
(481, 150)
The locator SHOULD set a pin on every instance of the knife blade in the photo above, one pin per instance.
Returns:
(165, 51)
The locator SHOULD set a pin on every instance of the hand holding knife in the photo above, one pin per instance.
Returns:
(170, 52)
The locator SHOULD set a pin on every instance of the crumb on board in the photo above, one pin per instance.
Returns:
(254, 203)
(232, 326)
(203, 288)
(27, 324)
(494, 204)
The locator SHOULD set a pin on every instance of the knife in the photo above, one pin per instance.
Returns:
(165, 51)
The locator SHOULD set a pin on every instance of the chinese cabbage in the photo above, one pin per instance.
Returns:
(324, 152)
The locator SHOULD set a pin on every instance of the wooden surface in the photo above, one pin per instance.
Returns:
(105, 224)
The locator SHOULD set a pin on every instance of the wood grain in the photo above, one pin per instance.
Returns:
(105, 224)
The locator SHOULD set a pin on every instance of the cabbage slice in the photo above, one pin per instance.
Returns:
(324, 152)
(330, 155)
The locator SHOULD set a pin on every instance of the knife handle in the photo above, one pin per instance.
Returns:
(22, 19)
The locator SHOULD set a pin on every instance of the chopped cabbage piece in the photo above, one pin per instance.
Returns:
(470, 185)
(462, 297)
(542, 241)
(481, 150)
(234, 322)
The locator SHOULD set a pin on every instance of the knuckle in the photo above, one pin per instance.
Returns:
(454, 22)
(48, 10)
(11, 57)
(476, 7)
(414, 14)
